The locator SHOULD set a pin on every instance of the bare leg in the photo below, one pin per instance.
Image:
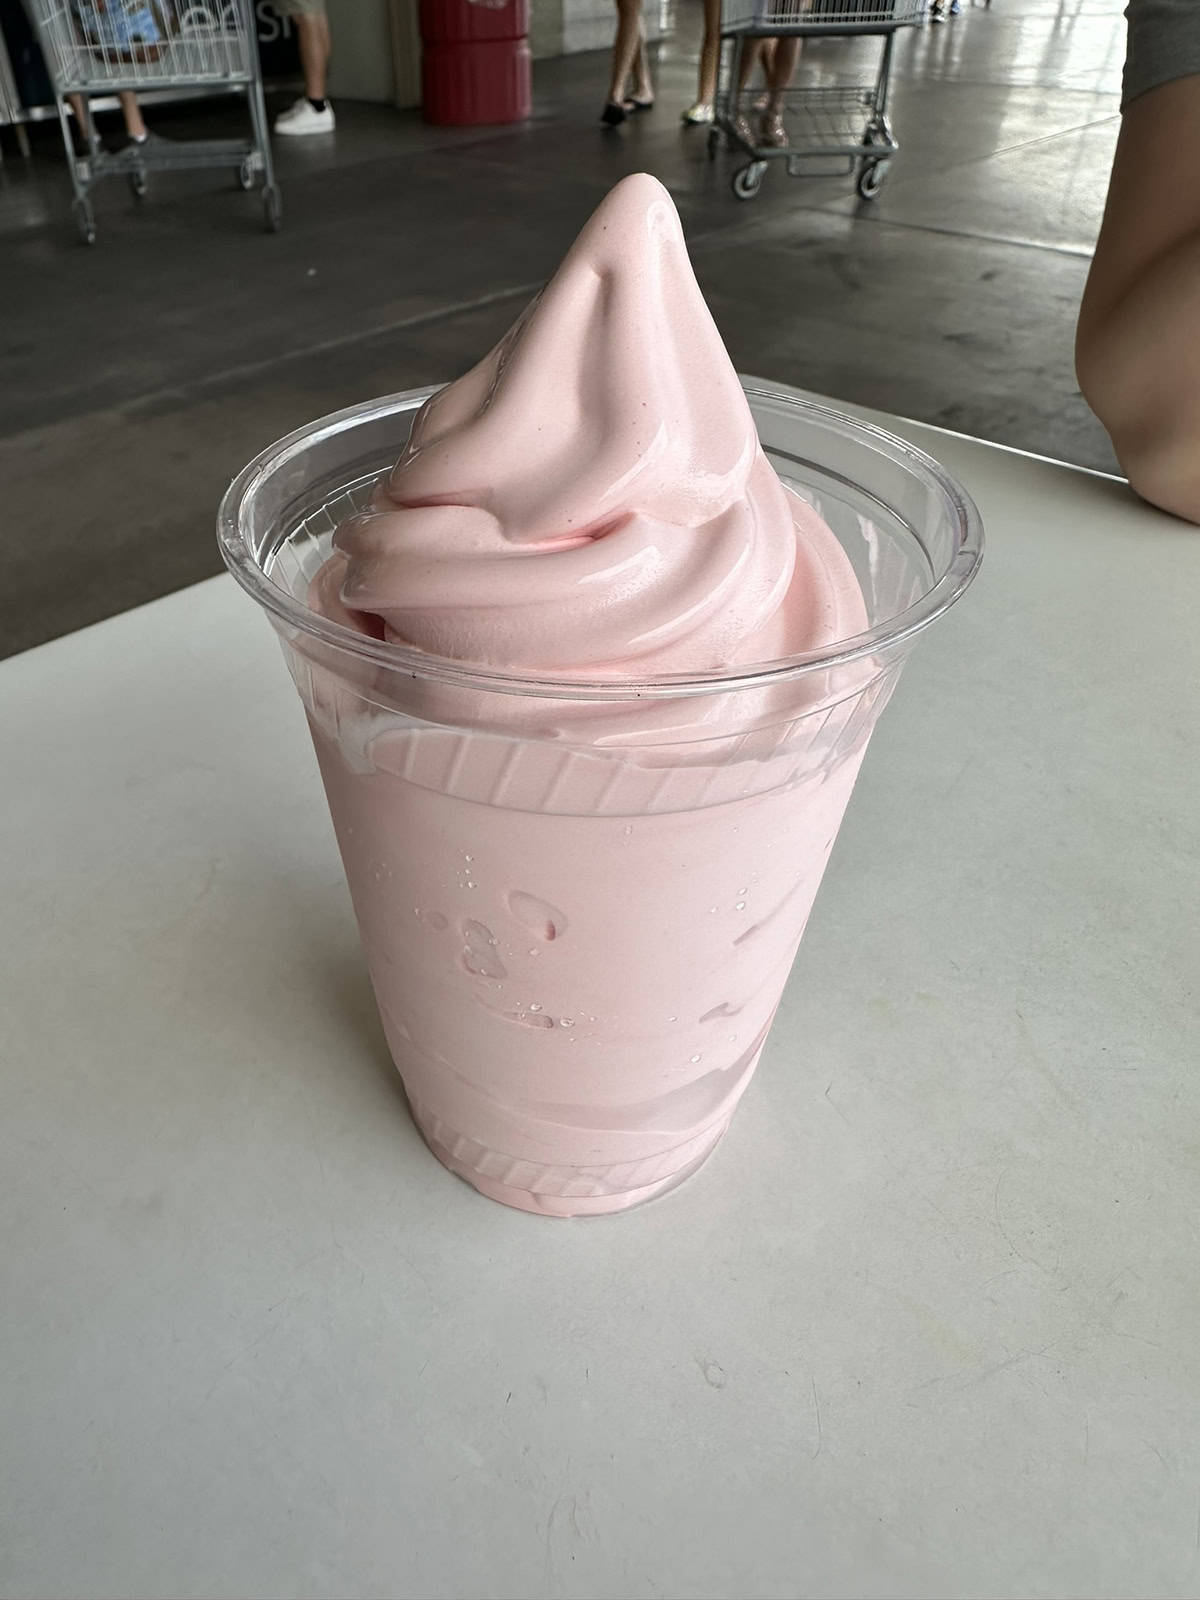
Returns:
(752, 49)
(132, 112)
(628, 47)
(780, 70)
(643, 84)
(315, 48)
(710, 53)
(88, 136)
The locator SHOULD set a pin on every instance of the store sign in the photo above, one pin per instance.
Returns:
(277, 44)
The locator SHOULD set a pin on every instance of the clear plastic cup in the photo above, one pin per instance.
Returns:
(580, 900)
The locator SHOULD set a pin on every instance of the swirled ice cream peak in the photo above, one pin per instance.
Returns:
(592, 496)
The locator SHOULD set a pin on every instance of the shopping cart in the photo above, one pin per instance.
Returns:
(842, 126)
(101, 47)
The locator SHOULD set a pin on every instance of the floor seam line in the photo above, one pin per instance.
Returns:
(249, 369)
(1077, 252)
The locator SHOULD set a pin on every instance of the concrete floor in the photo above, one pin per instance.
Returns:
(139, 375)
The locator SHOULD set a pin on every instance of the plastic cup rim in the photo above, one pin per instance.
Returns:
(957, 505)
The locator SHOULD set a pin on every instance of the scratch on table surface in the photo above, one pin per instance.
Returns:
(817, 1413)
(958, 776)
(834, 1103)
(1136, 1338)
(968, 1380)
(416, 1271)
(1004, 1233)
(1010, 1361)
(243, 1352)
(205, 887)
(1034, 1058)
(904, 1177)
(995, 1278)
(560, 1499)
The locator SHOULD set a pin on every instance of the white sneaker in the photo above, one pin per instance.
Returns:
(699, 114)
(301, 118)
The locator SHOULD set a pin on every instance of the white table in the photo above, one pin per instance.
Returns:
(926, 1325)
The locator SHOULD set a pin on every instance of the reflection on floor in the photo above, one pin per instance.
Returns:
(142, 373)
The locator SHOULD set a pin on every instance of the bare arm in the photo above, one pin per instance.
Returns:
(1137, 349)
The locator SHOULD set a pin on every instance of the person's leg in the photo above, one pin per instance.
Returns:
(780, 72)
(710, 61)
(312, 113)
(135, 127)
(81, 139)
(749, 56)
(752, 50)
(643, 83)
(710, 52)
(625, 51)
(312, 29)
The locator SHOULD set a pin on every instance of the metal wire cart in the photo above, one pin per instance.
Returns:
(844, 123)
(102, 47)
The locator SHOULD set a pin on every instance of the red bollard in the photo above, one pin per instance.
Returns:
(475, 63)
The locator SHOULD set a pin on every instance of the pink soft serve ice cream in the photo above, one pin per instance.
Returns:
(579, 911)
(592, 497)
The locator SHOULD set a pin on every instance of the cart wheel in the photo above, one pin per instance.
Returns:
(871, 177)
(748, 179)
(246, 174)
(713, 143)
(85, 220)
(137, 184)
